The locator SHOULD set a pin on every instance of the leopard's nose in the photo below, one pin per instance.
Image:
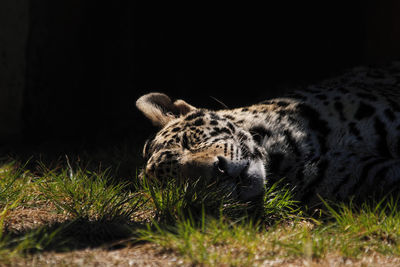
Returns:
(225, 167)
(221, 166)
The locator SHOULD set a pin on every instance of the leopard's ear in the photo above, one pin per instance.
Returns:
(160, 109)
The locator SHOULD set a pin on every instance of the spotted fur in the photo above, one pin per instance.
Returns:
(338, 139)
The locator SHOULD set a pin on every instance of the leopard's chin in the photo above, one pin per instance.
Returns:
(251, 183)
(249, 186)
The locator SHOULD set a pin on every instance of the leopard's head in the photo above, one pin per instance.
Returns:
(195, 143)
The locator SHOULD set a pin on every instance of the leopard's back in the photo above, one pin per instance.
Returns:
(350, 135)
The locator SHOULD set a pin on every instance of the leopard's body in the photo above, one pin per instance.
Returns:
(334, 140)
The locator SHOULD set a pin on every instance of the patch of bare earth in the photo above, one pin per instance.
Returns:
(373, 260)
(151, 255)
(140, 255)
(25, 218)
(29, 217)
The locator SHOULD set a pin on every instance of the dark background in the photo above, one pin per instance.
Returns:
(87, 61)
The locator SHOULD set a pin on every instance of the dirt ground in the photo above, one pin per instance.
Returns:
(144, 254)
(151, 255)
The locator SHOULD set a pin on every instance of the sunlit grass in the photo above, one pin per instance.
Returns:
(14, 180)
(223, 231)
(96, 209)
(198, 221)
(344, 232)
(174, 199)
(89, 195)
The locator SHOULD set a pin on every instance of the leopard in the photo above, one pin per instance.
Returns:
(338, 139)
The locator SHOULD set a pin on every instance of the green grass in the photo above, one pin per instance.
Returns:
(95, 208)
(12, 184)
(173, 200)
(13, 181)
(197, 221)
(89, 195)
(345, 231)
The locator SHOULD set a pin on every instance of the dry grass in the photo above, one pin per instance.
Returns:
(152, 255)
(141, 255)
(23, 219)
